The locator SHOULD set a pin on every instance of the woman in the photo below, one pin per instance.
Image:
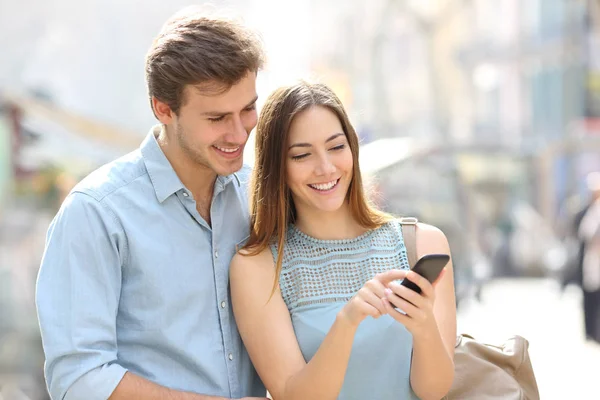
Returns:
(313, 290)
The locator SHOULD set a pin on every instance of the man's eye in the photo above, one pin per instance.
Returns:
(216, 119)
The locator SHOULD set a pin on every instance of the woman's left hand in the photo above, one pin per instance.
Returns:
(419, 318)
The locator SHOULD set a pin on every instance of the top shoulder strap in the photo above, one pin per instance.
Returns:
(409, 233)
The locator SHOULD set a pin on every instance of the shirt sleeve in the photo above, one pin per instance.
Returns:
(77, 298)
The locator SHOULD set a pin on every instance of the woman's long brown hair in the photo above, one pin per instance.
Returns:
(271, 204)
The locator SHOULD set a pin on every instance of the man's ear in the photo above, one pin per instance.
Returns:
(162, 111)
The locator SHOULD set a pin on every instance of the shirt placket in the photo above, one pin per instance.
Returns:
(221, 277)
(221, 266)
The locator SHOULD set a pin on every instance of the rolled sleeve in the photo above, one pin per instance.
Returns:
(99, 383)
(77, 298)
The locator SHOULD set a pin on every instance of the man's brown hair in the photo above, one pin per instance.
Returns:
(200, 49)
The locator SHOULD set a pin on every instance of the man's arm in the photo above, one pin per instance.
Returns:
(133, 387)
(77, 299)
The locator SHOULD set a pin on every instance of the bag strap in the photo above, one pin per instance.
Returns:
(409, 233)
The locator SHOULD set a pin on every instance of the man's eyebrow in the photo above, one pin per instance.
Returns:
(332, 137)
(223, 114)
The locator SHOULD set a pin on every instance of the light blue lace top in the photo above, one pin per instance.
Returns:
(319, 276)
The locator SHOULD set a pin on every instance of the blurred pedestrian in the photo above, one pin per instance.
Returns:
(589, 234)
(132, 293)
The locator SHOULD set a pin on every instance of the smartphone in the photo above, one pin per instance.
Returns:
(429, 266)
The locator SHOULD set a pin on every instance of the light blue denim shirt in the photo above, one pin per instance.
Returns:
(133, 279)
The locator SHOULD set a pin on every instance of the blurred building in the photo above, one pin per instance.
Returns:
(376, 57)
(6, 170)
(529, 64)
(48, 149)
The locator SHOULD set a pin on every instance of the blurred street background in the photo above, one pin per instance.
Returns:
(481, 117)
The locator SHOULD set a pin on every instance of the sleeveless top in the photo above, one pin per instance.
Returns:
(318, 277)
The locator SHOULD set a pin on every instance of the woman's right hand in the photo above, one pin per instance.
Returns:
(368, 301)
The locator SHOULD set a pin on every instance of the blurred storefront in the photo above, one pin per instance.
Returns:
(47, 151)
(6, 172)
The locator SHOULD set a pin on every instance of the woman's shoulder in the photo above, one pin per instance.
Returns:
(431, 240)
(251, 278)
(247, 263)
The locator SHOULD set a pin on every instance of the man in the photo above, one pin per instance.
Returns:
(132, 293)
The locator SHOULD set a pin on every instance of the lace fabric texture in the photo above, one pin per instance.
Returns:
(328, 271)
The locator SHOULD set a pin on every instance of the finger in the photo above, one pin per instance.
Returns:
(420, 281)
(372, 299)
(375, 286)
(369, 310)
(397, 315)
(398, 302)
(407, 294)
(364, 307)
(391, 275)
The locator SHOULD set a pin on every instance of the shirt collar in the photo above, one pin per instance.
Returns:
(163, 176)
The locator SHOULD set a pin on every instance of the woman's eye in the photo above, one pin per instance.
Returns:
(299, 157)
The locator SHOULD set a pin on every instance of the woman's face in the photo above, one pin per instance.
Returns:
(319, 161)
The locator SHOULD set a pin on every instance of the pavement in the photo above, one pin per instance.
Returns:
(565, 364)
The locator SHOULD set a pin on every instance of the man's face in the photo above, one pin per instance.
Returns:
(211, 130)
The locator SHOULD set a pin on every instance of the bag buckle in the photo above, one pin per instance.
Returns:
(409, 221)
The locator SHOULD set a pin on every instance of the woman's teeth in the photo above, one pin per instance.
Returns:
(324, 186)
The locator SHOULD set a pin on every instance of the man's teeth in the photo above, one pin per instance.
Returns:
(224, 150)
(324, 186)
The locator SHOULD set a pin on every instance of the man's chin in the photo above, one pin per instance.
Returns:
(225, 169)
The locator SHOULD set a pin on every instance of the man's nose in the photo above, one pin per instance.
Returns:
(237, 131)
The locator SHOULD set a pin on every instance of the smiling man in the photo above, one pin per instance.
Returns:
(132, 293)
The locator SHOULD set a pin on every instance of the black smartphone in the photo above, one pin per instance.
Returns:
(429, 266)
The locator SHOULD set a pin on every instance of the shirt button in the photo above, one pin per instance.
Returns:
(230, 356)
(223, 304)
(185, 194)
(216, 254)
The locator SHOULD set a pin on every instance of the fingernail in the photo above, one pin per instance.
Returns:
(388, 291)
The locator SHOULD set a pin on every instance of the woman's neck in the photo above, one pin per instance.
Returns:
(331, 225)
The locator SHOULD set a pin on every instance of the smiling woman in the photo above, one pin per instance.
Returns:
(321, 260)
(319, 163)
